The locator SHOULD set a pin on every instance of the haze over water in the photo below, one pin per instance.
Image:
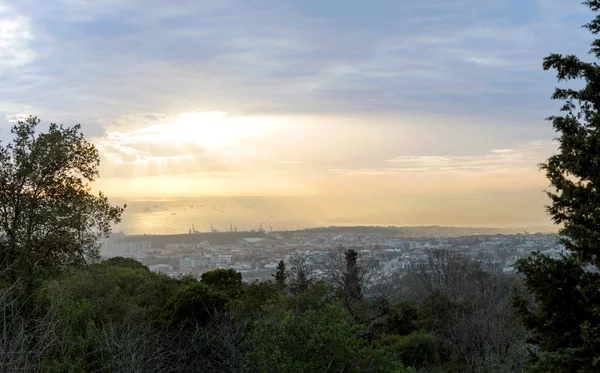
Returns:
(285, 213)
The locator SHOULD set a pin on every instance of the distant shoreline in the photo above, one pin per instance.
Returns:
(422, 231)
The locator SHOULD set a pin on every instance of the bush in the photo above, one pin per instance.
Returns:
(415, 350)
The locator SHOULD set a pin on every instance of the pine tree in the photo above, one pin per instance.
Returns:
(565, 321)
(280, 275)
(352, 275)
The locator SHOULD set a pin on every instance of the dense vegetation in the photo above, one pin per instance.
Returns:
(117, 316)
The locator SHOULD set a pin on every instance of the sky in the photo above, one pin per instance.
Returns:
(431, 101)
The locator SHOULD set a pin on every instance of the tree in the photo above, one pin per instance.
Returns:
(450, 273)
(195, 303)
(119, 261)
(229, 281)
(352, 279)
(48, 216)
(468, 309)
(280, 275)
(414, 350)
(319, 339)
(362, 287)
(565, 320)
(301, 274)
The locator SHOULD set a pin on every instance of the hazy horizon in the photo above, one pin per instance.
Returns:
(177, 215)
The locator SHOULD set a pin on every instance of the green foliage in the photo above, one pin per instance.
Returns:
(564, 319)
(436, 311)
(372, 359)
(116, 292)
(316, 296)
(280, 275)
(311, 332)
(186, 279)
(100, 308)
(256, 297)
(310, 341)
(195, 303)
(403, 319)
(564, 324)
(228, 281)
(560, 304)
(125, 263)
(316, 340)
(48, 217)
(416, 350)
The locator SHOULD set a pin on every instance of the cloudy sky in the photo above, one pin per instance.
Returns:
(406, 98)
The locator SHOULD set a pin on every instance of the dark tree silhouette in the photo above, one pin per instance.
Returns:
(565, 322)
(280, 275)
(352, 275)
(301, 274)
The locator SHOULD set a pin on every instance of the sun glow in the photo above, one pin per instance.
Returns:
(184, 136)
(210, 143)
(207, 129)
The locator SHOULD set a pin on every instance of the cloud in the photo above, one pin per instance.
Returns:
(15, 34)
(148, 144)
(497, 161)
(453, 80)
(104, 59)
(491, 61)
(16, 118)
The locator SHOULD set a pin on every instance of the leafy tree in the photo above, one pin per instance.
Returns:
(256, 297)
(403, 318)
(416, 350)
(318, 295)
(195, 303)
(48, 216)
(119, 261)
(280, 275)
(106, 314)
(565, 322)
(229, 281)
(316, 340)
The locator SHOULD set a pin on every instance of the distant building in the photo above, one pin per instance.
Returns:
(112, 248)
(201, 261)
(194, 261)
(186, 263)
(221, 260)
(161, 268)
(180, 246)
(249, 242)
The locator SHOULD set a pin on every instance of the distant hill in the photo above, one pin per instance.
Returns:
(225, 238)
(427, 231)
